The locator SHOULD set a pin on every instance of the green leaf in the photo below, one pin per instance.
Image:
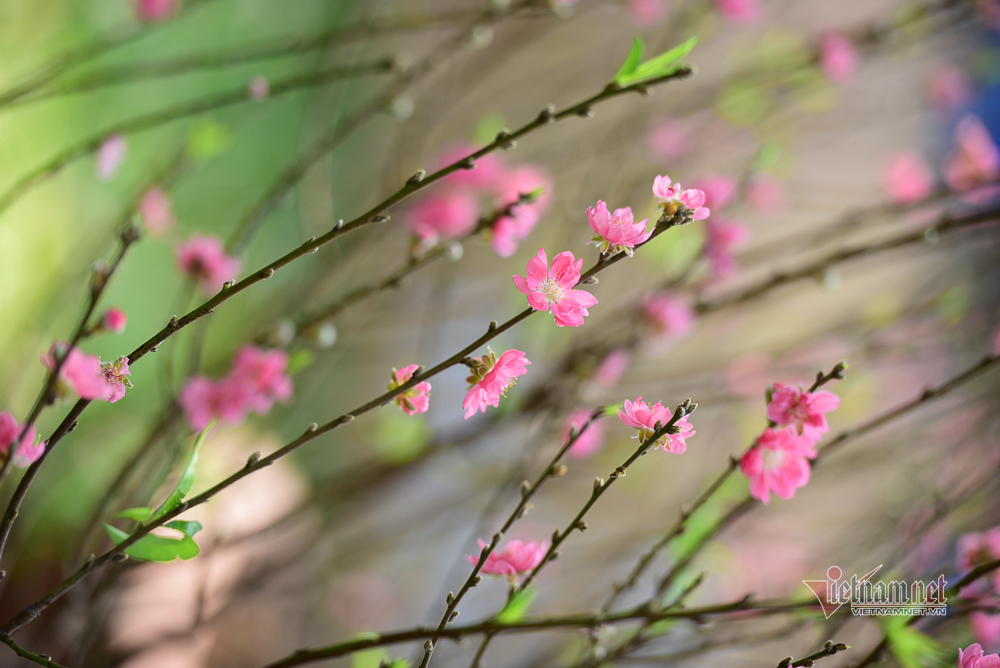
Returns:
(517, 606)
(487, 128)
(302, 358)
(912, 648)
(137, 514)
(186, 480)
(156, 548)
(659, 66)
(208, 139)
(188, 528)
(631, 61)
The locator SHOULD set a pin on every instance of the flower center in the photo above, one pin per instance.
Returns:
(552, 290)
(772, 459)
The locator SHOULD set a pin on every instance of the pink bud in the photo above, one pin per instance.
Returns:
(114, 320)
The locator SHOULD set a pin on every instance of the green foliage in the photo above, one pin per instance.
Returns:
(398, 438)
(517, 606)
(633, 70)
(303, 358)
(912, 648)
(208, 139)
(487, 128)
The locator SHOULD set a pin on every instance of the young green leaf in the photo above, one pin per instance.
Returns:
(156, 548)
(912, 648)
(137, 514)
(631, 61)
(186, 481)
(659, 66)
(188, 528)
(517, 606)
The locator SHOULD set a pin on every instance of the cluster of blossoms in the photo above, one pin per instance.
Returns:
(415, 400)
(644, 419)
(616, 232)
(516, 558)
(85, 375)
(27, 450)
(778, 461)
(670, 318)
(975, 549)
(454, 210)
(723, 236)
(973, 657)
(671, 198)
(490, 377)
(256, 380)
(204, 260)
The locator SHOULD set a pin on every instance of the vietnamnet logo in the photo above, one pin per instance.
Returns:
(878, 598)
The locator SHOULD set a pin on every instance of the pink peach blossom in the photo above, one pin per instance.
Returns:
(415, 400)
(643, 418)
(116, 374)
(949, 88)
(156, 211)
(509, 231)
(975, 549)
(996, 342)
(803, 410)
(973, 657)
(259, 87)
(616, 232)
(975, 160)
(490, 378)
(719, 190)
(667, 139)
(110, 155)
(151, 11)
(489, 170)
(672, 198)
(611, 369)
(204, 259)
(26, 451)
(588, 442)
(647, 13)
(671, 317)
(986, 629)
(114, 320)
(260, 375)
(203, 400)
(514, 559)
(722, 239)
(448, 214)
(79, 373)
(838, 57)
(740, 11)
(907, 178)
(552, 288)
(778, 462)
(765, 193)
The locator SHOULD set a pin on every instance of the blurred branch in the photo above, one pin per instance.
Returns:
(829, 649)
(40, 659)
(177, 112)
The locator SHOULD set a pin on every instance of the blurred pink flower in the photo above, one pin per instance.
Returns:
(949, 88)
(415, 400)
(27, 450)
(975, 549)
(643, 418)
(204, 260)
(765, 193)
(672, 197)
(514, 559)
(722, 239)
(611, 369)
(907, 178)
(986, 629)
(778, 462)
(156, 211)
(972, 657)
(552, 287)
(110, 155)
(740, 11)
(996, 342)
(803, 410)
(647, 13)
(510, 230)
(488, 173)
(255, 381)
(838, 57)
(116, 373)
(667, 139)
(114, 320)
(81, 373)
(259, 87)
(151, 11)
(671, 317)
(490, 377)
(975, 160)
(719, 190)
(747, 375)
(616, 232)
(448, 214)
(589, 441)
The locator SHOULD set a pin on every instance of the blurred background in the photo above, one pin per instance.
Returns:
(816, 127)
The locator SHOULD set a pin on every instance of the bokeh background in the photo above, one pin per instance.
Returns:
(365, 529)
